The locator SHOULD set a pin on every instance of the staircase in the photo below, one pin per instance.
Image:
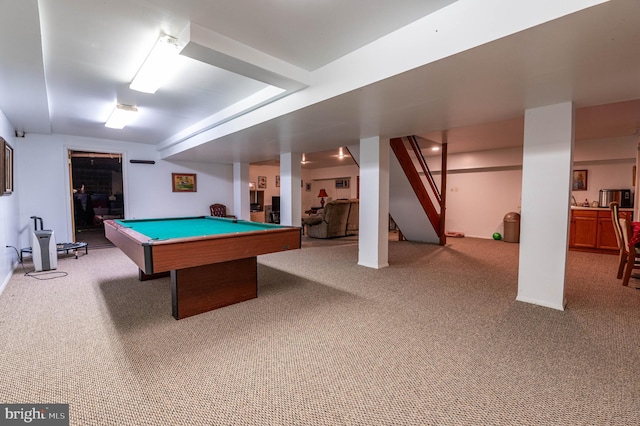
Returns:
(416, 204)
(405, 170)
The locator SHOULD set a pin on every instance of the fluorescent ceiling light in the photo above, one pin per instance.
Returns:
(121, 116)
(158, 66)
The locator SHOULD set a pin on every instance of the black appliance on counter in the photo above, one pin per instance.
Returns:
(275, 209)
(622, 196)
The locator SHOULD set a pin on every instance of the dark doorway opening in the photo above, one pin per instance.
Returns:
(96, 179)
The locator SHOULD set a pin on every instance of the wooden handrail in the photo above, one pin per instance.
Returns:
(443, 190)
(425, 167)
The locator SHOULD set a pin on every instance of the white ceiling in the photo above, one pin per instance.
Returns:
(65, 63)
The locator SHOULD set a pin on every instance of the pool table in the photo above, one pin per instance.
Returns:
(212, 261)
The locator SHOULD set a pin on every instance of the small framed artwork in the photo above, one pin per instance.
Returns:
(342, 183)
(579, 180)
(277, 181)
(184, 182)
(308, 187)
(6, 168)
(262, 182)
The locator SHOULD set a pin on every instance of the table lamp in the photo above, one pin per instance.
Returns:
(322, 194)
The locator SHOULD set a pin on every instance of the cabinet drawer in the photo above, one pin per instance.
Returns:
(585, 213)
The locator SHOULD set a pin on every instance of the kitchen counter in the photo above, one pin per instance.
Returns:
(625, 209)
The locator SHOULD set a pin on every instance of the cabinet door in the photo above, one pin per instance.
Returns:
(257, 216)
(606, 234)
(584, 229)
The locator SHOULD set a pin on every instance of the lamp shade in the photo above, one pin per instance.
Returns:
(323, 193)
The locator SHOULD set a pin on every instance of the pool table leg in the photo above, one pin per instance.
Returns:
(145, 277)
(204, 288)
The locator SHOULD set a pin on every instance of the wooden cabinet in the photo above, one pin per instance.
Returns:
(584, 229)
(606, 233)
(592, 230)
(257, 216)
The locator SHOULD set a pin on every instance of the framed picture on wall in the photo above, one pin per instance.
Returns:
(184, 182)
(262, 182)
(6, 168)
(342, 183)
(277, 181)
(579, 180)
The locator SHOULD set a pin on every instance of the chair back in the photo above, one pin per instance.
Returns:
(615, 219)
(625, 226)
(218, 210)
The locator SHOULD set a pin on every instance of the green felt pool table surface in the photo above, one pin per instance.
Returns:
(186, 227)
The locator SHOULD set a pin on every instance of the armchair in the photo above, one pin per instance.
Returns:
(219, 210)
(339, 218)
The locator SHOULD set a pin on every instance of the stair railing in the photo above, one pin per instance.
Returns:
(437, 219)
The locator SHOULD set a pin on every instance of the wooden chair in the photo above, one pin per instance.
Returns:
(615, 219)
(631, 255)
(219, 210)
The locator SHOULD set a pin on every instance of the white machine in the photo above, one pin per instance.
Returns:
(43, 245)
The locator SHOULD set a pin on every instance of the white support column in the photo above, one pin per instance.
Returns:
(546, 192)
(290, 189)
(241, 196)
(373, 235)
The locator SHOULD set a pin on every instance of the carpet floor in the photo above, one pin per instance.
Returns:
(436, 338)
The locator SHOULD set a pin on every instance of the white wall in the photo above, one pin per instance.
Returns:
(315, 178)
(325, 178)
(483, 186)
(270, 172)
(42, 183)
(609, 164)
(9, 221)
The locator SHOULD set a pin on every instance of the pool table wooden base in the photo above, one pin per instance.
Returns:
(212, 261)
(204, 288)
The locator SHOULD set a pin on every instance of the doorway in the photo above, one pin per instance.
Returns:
(97, 194)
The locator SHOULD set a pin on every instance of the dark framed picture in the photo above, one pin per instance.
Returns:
(184, 182)
(342, 183)
(277, 181)
(6, 168)
(262, 182)
(579, 180)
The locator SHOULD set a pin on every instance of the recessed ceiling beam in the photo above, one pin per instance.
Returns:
(215, 49)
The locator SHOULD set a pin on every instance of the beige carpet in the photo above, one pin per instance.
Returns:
(435, 339)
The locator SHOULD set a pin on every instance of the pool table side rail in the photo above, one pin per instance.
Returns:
(190, 252)
(129, 241)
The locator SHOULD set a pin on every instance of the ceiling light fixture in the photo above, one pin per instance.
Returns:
(435, 148)
(304, 160)
(158, 66)
(341, 154)
(121, 116)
